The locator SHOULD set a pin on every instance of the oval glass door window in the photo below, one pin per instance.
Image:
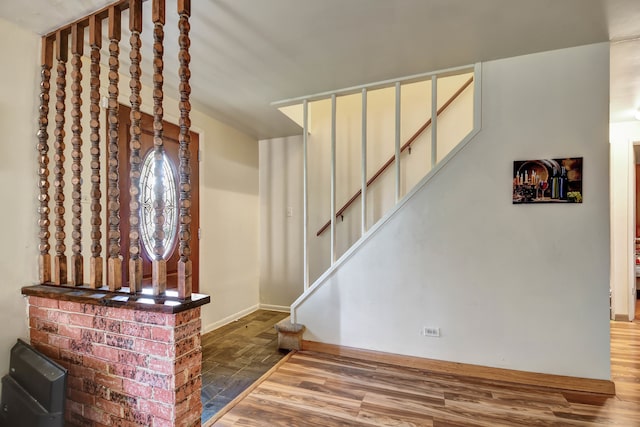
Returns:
(147, 199)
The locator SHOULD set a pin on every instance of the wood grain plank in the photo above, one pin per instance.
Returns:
(475, 371)
(381, 416)
(322, 389)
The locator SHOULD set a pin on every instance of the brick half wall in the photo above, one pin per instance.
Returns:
(127, 367)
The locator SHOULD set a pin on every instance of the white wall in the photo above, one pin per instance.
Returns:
(522, 287)
(19, 85)
(280, 235)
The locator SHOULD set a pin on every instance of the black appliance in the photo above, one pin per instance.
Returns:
(33, 393)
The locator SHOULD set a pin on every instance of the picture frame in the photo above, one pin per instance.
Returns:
(556, 181)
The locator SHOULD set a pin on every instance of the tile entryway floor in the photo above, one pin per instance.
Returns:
(236, 355)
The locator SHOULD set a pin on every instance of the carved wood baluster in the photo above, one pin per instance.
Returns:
(96, 263)
(60, 260)
(159, 264)
(43, 158)
(135, 262)
(184, 264)
(114, 263)
(77, 44)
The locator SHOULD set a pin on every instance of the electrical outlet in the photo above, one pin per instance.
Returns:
(430, 332)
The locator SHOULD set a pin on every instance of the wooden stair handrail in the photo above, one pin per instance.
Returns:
(392, 159)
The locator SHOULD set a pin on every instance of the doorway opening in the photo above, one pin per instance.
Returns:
(636, 228)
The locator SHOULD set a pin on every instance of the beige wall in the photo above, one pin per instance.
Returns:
(280, 234)
(229, 214)
(229, 208)
(18, 186)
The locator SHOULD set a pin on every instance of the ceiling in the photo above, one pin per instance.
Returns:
(249, 53)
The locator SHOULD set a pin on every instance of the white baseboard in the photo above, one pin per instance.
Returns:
(271, 307)
(215, 325)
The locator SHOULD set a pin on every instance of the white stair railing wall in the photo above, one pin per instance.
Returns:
(350, 133)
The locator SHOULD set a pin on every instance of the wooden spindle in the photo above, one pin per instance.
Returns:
(114, 263)
(159, 264)
(96, 262)
(184, 263)
(60, 260)
(43, 153)
(135, 261)
(77, 263)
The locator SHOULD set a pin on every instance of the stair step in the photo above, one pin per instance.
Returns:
(289, 334)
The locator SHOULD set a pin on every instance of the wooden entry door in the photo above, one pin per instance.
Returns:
(171, 145)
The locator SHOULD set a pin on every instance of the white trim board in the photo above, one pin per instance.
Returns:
(271, 307)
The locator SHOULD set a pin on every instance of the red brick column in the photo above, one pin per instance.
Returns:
(127, 367)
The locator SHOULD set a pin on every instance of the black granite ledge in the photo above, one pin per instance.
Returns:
(167, 303)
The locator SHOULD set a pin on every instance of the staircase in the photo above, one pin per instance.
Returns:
(504, 286)
(428, 118)
(365, 151)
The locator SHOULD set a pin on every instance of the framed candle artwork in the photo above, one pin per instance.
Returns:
(547, 181)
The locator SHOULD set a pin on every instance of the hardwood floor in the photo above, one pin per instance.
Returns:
(314, 389)
(235, 356)
(625, 358)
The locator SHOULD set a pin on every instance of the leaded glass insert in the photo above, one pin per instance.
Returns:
(147, 198)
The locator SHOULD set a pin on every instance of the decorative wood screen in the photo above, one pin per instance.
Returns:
(57, 47)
